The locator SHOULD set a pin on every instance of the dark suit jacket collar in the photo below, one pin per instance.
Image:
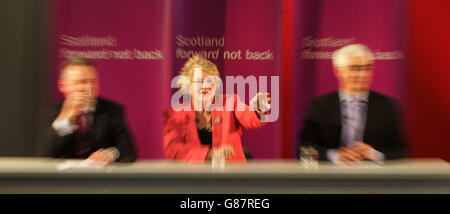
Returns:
(100, 117)
(335, 107)
(100, 107)
(371, 117)
(344, 96)
(335, 111)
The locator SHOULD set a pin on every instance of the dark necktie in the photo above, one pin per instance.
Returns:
(83, 137)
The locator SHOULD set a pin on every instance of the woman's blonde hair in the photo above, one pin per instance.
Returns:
(187, 71)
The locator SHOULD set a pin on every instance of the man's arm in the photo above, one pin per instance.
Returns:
(50, 142)
(122, 140)
(311, 132)
(395, 145)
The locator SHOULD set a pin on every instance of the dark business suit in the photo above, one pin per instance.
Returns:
(383, 129)
(108, 129)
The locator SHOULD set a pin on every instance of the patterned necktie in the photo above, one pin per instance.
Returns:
(83, 136)
(352, 122)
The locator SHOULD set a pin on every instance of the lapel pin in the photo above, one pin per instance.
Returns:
(218, 120)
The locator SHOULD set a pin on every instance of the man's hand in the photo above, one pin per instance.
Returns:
(101, 155)
(365, 150)
(357, 151)
(72, 107)
(348, 155)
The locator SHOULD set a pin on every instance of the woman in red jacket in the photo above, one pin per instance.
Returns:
(209, 122)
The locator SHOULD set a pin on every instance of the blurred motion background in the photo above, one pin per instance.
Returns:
(299, 34)
(24, 66)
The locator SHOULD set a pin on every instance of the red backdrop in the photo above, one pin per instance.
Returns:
(429, 78)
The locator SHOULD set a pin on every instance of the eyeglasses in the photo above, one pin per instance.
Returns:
(367, 67)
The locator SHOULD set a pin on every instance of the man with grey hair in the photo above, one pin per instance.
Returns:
(354, 123)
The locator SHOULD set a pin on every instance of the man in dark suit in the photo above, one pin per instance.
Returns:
(354, 123)
(84, 125)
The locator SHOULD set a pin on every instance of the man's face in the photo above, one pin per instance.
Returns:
(357, 75)
(79, 80)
